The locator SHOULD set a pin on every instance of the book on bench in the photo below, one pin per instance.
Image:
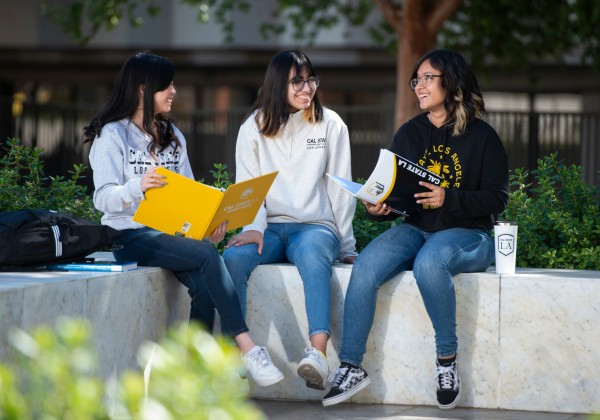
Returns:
(93, 266)
(188, 208)
(395, 180)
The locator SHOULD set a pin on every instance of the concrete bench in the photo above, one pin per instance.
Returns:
(526, 342)
(125, 309)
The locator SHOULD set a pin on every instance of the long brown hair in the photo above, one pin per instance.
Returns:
(153, 72)
(272, 103)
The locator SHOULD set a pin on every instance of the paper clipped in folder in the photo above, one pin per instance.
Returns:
(188, 208)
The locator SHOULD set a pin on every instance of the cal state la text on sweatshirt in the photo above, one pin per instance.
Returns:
(119, 157)
(473, 167)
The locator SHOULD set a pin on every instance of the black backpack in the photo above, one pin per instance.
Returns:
(33, 237)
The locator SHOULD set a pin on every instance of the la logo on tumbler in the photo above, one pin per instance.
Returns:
(505, 234)
(506, 244)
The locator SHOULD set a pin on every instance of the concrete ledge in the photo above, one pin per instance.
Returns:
(125, 309)
(526, 342)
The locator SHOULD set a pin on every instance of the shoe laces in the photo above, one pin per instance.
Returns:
(340, 375)
(446, 376)
(260, 357)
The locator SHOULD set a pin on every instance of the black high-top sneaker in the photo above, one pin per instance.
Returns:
(448, 385)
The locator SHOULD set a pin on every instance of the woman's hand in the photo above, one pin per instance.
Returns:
(433, 198)
(247, 237)
(152, 180)
(379, 209)
(219, 233)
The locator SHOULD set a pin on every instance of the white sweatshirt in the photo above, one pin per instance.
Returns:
(119, 158)
(302, 192)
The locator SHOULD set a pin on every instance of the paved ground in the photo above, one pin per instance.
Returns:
(302, 410)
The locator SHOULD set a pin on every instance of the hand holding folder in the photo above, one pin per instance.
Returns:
(188, 208)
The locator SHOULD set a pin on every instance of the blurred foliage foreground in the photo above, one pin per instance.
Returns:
(558, 213)
(52, 374)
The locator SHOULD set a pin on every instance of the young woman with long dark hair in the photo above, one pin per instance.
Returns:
(449, 232)
(131, 137)
(306, 218)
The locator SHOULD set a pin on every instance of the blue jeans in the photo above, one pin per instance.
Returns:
(312, 248)
(434, 259)
(196, 264)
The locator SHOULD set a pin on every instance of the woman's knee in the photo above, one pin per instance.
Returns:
(240, 253)
(433, 275)
(362, 265)
(322, 248)
(241, 261)
(375, 261)
(207, 253)
(363, 277)
(425, 269)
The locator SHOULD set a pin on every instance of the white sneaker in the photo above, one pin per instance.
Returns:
(314, 368)
(260, 368)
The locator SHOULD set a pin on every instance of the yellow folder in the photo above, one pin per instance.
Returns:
(185, 207)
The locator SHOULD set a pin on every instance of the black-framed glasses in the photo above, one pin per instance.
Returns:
(298, 84)
(425, 80)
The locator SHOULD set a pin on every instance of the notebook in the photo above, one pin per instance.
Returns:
(94, 266)
(188, 208)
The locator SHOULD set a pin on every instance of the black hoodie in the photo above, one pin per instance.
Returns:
(473, 167)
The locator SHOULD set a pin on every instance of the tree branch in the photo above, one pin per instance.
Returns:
(441, 13)
(391, 13)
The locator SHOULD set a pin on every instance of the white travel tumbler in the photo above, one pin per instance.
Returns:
(505, 242)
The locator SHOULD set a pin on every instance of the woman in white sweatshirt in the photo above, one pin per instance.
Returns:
(306, 218)
(131, 136)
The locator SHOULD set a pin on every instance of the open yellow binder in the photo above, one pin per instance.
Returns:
(185, 207)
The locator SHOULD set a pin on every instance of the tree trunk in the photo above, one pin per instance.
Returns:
(413, 42)
(416, 23)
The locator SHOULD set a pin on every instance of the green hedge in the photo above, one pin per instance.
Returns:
(557, 212)
(558, 215)
(23, 184)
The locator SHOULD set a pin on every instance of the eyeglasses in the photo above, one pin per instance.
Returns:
(298, 84)
(425, 80)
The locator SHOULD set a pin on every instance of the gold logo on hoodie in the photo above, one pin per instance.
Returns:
(442, 161)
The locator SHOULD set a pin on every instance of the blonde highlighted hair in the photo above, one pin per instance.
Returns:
(463, 101)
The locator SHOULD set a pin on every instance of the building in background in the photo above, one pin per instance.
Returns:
(216, 83)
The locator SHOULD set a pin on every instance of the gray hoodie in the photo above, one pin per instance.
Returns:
(119, 158)
(302, 153)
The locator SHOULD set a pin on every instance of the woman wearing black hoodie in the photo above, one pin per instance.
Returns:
(448, 234)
